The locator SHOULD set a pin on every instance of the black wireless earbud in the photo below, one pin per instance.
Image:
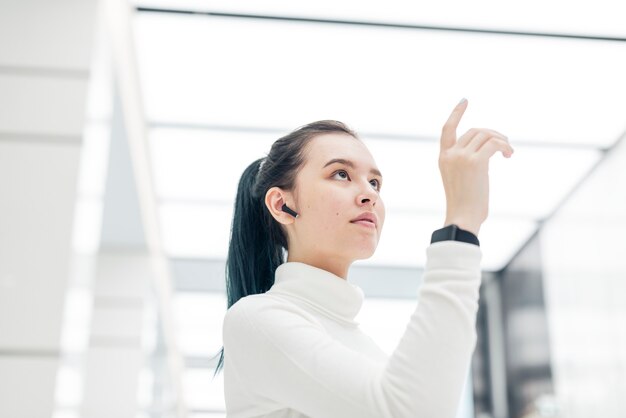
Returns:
(290, 211)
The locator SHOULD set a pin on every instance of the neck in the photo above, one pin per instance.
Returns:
(337, 266)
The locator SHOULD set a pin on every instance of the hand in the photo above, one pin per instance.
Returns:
(464, 166)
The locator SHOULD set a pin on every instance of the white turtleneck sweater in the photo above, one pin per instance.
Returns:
(296, 350)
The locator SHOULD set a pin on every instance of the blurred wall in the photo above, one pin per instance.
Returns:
(525, 332)
(584, 265)
(45, 51)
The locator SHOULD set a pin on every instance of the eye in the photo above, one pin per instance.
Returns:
(378, 185)
(341, 171)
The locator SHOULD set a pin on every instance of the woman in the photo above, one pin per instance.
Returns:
(291, 345)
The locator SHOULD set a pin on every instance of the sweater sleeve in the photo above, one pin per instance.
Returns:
(282, 354)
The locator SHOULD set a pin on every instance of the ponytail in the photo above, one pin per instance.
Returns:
(253, 252)
(253, 255)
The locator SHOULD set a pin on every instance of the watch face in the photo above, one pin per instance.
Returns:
(453, 232)
(445, 233)
(450, 230)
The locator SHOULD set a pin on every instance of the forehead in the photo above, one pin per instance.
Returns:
(325, 147)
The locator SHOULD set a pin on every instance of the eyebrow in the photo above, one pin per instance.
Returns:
(349, 164)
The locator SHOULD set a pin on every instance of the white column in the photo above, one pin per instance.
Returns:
(115, 356)
(44, 70)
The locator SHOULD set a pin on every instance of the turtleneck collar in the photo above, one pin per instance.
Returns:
(322, 290)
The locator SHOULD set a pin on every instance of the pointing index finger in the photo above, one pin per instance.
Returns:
(448, 136)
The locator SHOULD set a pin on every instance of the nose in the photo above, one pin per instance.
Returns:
(369, 194)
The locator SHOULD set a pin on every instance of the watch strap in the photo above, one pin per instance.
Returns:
(453, 232)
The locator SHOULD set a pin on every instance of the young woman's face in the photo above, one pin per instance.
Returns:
(329, 196)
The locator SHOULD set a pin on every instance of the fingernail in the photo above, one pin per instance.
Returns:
(463, 100)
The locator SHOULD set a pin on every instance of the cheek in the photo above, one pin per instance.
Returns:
(335, 215)
(331, 214)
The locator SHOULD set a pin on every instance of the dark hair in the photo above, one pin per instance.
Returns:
(257, 240)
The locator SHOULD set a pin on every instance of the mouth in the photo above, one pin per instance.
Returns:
(366, 219)
(365, 223)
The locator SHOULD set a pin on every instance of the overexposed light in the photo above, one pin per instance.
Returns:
(145, 388)
(77, 313)
(91, 185)
(199, 319)
(99, 104)
(530, 184)
(87, 224)
(94, 150)
(406, 236)
(195, 230)
(94, 158)
(501, 238)
(68, 387)
(560, 16)
(411, 177)
(203, 164)
(202, 391)
(385, 320)
(535, 180)
(282, 74)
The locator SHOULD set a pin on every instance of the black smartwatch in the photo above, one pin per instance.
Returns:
(453, 232)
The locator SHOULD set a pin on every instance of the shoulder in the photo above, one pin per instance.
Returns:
(266, 313)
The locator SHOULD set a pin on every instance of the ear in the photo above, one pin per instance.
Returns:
(274, 200)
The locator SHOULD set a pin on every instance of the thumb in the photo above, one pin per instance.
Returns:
(448, 133)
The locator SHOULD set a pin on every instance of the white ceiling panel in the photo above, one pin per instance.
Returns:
(203, 164)
(602, 18)
(282, 74)
(219, 91)
(195, 230)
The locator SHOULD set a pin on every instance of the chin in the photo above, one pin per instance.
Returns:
(358, 247)
(364, 253)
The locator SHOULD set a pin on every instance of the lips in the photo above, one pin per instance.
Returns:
(366, 216)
